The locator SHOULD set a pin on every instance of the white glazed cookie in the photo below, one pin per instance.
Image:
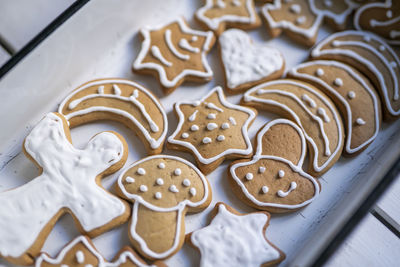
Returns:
(119, 100)
(247, 64)
(162, 189)
(212, 129)
(175, 53)
(69, 181)
(234, 239)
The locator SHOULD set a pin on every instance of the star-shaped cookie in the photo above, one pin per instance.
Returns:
(175, 53)
(234, 239)
(212, 129)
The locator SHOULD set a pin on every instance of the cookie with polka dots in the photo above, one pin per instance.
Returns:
(212, 129)
(162, 189)
(274, 180)
(352, 93)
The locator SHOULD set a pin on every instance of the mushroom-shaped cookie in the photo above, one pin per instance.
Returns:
(162, 188)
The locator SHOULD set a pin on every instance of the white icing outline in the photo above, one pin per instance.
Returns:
(317, 52)
(168, 41)
(294, 71)
(178, 208)
(338, 18)
(138, 63)
(247, 98)
(226, 104)
(154, 144)
(214, 22)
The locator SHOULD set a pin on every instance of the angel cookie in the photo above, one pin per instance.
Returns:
(119, 100)
(162, 189)
(212, 129)
(373, 57)
(217, 15)
(274, 180)
(81, 252)
(247, 64)
(69, 181)
(352, 93)
(234, 239)
(175, 53)
(311, 110)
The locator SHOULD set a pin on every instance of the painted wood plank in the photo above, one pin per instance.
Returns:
(388, 205)
(4, 56)
(370, 244)
(21, 20)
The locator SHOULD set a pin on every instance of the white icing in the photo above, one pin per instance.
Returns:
(161, 165)
(319, 72)
(220, 3)
(100, 90)
(167, 35)
(264, 189)
(206, 140)
(295, 8)
(117, 90)
(130, 180)
(389, 14)
(301, 20)
(80, 257)
(351, 94)
(360, 121)
(281, 193)
(328, 3)
(158, 195)
(225, 126)
(261, 170)
(177, 172)
(159, 181)
(194, 38)
(185, 135)
(309, 101)
(249, 176)
(141, 171)
(322, 112)
(213, 106)
(173, 189)
(194, 128)
(186, 182)
(143, 188)
(211, 126)
(232, 120)
(338, 82)
(281, 173)
(192, 191)
(211, 116)
(155, 51)
(184, 44)
(236, 2)
(338, 18)
(193, 116)
(220, 138)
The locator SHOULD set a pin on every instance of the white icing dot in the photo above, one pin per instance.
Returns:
(80, 257)
(382, 48)
(220, 138)
(211, 126)
(338, 82)
(206, 140)
(194, 38)
(261, 169)
(328, 3)
(264, 189)
(367, 38)
(393, 64)
(389, 14)
(225, 126)
(141, 171)
(88, 265)
(173, 189)
(158, 195)
(177, 171)
(194, 128)
(186, 182)
(143, 188)
(295, 8)
(100, 90)
(161, 165)
(335, 43)
(236, 3)
(249, 176)
(192, 191)
(130, 180)
(211, 116)
(351, 94)
(232, 120)
(281, 173)
(360, 121)
(160, 181)
(185, 135)
(64, 265)
(301, 20)
(319, 72)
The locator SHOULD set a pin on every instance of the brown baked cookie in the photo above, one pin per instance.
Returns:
(119, 100)
(274, 180)
(235, 239)
(311, 110)
(213, 130)
(371, 56)
(162, 189)
(247, 64)
(175, 53)
(217, 15)
(380, 18)
(352, 93)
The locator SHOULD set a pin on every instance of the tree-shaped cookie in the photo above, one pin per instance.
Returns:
(212, 129)
(235, 239)
(274, 180)
(69, 181)
(175, 53)
(162, 188)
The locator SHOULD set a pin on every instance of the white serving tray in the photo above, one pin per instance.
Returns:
(101, 41)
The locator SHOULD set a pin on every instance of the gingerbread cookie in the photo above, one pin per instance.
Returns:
(352, 93)
(81, 252)
(311, 110)
(335, 12)
(380, 18)
(247, 64)
(162, 189)
(175, 53)
(69, 181)
(235, 239)
(119, 100)
(217, 15)
(212, 129)
(371, 56)
(274, 180)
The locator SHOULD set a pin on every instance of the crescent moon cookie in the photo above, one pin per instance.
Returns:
(352, 93)
(311, 110)
(380, 18)
(119, 100)
(247, 64)
(274, 180)
(162, 189)
(175, 53)
(370, 55)
(213, 130)
(217, 15)
(235, 239)
(69, 181)
(81, 252)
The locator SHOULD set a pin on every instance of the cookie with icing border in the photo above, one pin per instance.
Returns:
(274, 180)
(212, 129)
(162, 189)
(69, 182)
(369, 54)
(119, 100)
(247, 64)
(380, 18)
(312, 110)
(217, 15)
(175, 53)
(352, 93)
(235, 239)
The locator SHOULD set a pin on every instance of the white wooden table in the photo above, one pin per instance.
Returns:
(372, 243)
